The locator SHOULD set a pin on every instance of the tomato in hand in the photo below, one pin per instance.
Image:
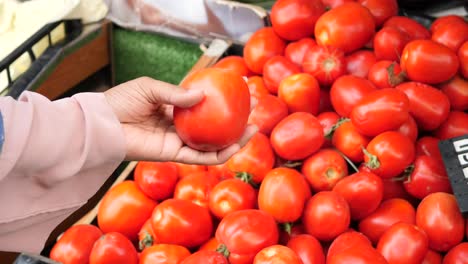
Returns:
(261, 46)
(348, 27)
(184, 170)
(410, 26)
(164, 254)
(432, 257)
(268, 112)
(457, 92)
(457, 255)
(277, 69)
(451, 34)
(295, 19)
(359, 63)
(429, 146)
(463, 57)
(328, 120)
(308, 248)
(455, 125)
(389, 43)
(206, 257)
(409, 129)
(438, 215)
(277, 254)
(231, 195)
(297, 136)
(156, 179)
(295, 51)
(301, 92)
(386, 74)
(196, 187)
(347, 240)
(235, 64)
(113, 248)
(146, 237)
(347, 91)
(124, 209)
(257, 87)
(75, 245)
(350, 141)
(325, 63)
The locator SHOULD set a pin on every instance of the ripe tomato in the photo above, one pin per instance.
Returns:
(445, 20)
(210, 245)
(295, 51)
(330, 4)
(429, 146)
(146, 237)
(260, 47)
(438, 215)
(382, 10)
(347, 91)
(350, 141)
(379, 111)
(410, 26)
(429, 62)
(278, 184)
(347, 240)
(328, 120)
(348, 27)
(124, 209)
(295, 19)
(181, 222)
(326, 215)
(256, 158)
(164, 254)
(268, 112)
(403, 243)
(206, 257)
(386, 74)
(221, 170)
(326, 63)
(358, 254)
(389, 43)
(301, 92)
(184, 170)
(231, 195)
(389, 212)
(257, 87)
(196, 188)
(359, 63)
(457, 92)
(422, 99)
(235, 64)
(463, 57)
(363, 191)
(277, 254)
(324, 169)
(156, 179)
(297, 136)
(458, 254)
(432, 257)
(113, 248)
(308, 248)
(455, 125)
(225, 110)
(288, 231)
(244, 233)
(409, 129)
(451, 34)
(74, 246)
(277, 69)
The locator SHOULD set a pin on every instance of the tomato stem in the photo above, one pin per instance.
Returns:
(292, 164)
(146, 242)
(287, 227)
(351, 163)
(373, 162)
(330, 132)
(246, 177)
(395, 79)
(222, 248)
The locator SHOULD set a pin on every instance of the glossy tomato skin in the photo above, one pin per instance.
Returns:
(428, 145)
(389, 43)
(455, 125)
(124, 209)
(164, 254)
(457, 92)
(359, 63)
(184, 170)
(380, 111)
(411, 27)
(328, 120)
(295, 51)
(181, 222)
(277, 254)
(432, 257)
(389, 212)
(326, 215)
(257, 87)
(231, 195)
(403, 243)
(330, 4)
(75, 245)
(463, 57)
(206, 257)
(347, 240)
(451, 34)
(308, 248)
(295, 19)
(301, 92)
(347, 91)
(113, 248)
(445, 20)
(385, 74)
(261, 46)
(348, 27)
(297, 136)
(196, 188)
(422, 98)
(359, 254)
(156, 179)
(235, 64)
(382, 10)
(221, 171)
(458, 254)
(210, 245)
(438, 215)
(277, 69)
(409, 129)
(268, 112)
(325, 63)
(350, 141)
(429, 62)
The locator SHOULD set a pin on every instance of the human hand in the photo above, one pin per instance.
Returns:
(144, 108)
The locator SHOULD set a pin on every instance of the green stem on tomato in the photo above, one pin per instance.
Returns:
(330, 132)
(146, 242)
(287, 227)
(373, 162)
(246, 177)
(222, 248)
(395, 79)
(350, 162)
(292, 164)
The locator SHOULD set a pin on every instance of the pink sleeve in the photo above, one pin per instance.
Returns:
(56, 155)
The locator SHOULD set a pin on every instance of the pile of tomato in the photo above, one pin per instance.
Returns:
(352, 101)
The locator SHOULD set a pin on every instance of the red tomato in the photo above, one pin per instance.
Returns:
(268, 112)
(277, 69)
(389, 212)
(235, 64)
(225, 110)
(288, 231)
(260, 47)
(457, 92)
(196, 188)
(432, 257)
(124, 209)
(222, 171)
(348, 27)
(393, 188)
(256, 158)
(457, 255)
(347, 91)
(326, 63)
(359, 62)
(295, 19)
(463, 57)
(328, 120)
(278, 184)
(231, 195)
(389, 43)
(277, 254)
(206, 257)
(308, 248)
(379, 111)
(301, 92)
(156, 179)
(181, 222)
(411, 27)
(409, 129)
(350, 141)
(382, 10)
(326, 215)
(244, 233)
(146, 237)
(185, 170)
(330, 4)
(429, 146)
(210, 245)
(74, 246)
(113, 248)
(445, 20)
(297, 136)
(359, 254)
(386, 74)
(429, 62)
(422, 99)
(347, 240)
(324, 169)
(295, 51)
(455, 125)
(403, 243)
(438, 215)
(164, 254)
(363, 191)
(451, 34)
(257, 87)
